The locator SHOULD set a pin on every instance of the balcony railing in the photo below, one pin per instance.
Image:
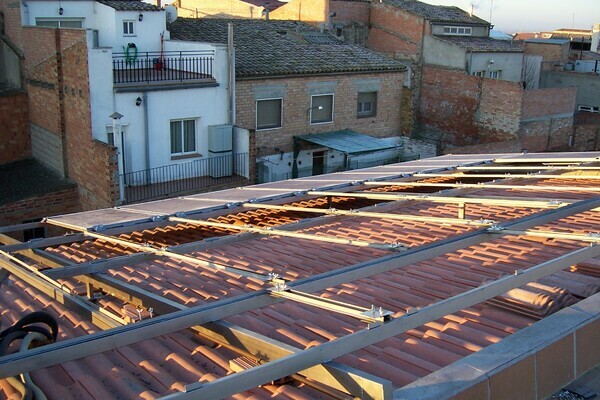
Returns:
(199, 175)
(172, 66)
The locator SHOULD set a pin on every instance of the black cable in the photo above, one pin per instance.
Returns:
(26, 325)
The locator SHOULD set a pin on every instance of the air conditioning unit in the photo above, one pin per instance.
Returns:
(220, 150)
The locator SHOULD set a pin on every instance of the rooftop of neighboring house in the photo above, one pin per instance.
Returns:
(570, 34)
(130, 5)
(433, 13)
(283, 48)
(482, 44)
(27, 178)
(548, 41)
(526, 35)
(428, 236)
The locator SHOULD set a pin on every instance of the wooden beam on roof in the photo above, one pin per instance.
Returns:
(370, 214)
(497, 201)
(506, 176)
(72, 349)
(284, 233)
(251, 378)
(21, 227)
(485, 185)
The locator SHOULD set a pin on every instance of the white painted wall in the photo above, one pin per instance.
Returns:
(106, 20)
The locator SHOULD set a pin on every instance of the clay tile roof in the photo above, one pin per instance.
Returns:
(434, 13)
(274, 48)
(129, 5)
(482, 44)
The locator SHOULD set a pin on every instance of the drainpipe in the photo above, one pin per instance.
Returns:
(146, 136)
(231, 75)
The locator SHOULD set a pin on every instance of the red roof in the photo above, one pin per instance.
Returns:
(168, 363)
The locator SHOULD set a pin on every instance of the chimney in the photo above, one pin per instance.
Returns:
(595, 38)
(159, 3)
(472, 10)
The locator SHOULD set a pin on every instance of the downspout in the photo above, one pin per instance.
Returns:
(146, 136)
(231, 75)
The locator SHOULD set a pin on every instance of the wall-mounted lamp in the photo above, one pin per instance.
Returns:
(138, 101)
(61, 11)
(140, 17)
(314, 108)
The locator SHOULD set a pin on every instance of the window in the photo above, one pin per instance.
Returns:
(321, 109)
(128, 28)
(478, 73)
(458, 30)
(59, 22)
(496, 74)
(367, 105)
(183, 136)
(268, 114)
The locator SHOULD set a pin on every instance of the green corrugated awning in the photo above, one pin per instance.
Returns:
(347, 141)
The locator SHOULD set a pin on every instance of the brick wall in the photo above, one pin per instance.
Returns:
(549, 52)
(12, 20)
(554, 101)
(464, 110)
(384, 37)
(54, 203)
(586, 138)
(350, 11)
(14, 136)
(297, 102)
(92, 164)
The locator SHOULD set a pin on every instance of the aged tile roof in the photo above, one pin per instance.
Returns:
(166, 364)
(571, 35)
(129, 5)
(274, 48)
(482, 44)
(434, 13)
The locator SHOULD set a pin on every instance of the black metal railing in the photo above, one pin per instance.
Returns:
(187, 177)
(133, 67)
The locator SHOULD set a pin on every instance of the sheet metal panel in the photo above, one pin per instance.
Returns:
(108, 217)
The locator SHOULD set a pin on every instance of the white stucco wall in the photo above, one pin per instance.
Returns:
(106, 20)
(437, 52)
(511, 64)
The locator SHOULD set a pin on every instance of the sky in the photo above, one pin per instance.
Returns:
(512, 16)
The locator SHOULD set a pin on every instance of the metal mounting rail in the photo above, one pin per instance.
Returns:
(369, 214)
(526, 176)
(298, 235)
(373, 315)
(527, 168)
(445, 199)
(145, 248)
(484, 185)
(589, 237)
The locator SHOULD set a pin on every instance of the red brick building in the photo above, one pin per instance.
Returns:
(293, 80)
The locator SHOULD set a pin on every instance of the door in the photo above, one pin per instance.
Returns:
(318, 165)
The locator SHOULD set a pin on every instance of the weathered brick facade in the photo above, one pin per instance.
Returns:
(296, 104)
(396, 33)
(14, 138)
(548, 51)
(36, 207)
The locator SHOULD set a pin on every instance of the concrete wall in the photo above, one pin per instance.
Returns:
(438, 52)
(221, 8)
(47, 148)
(310, 11)
(530, 364)
(14, 136)
(296, 103)
(588, 85)
(438, 29)
(510, 64)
